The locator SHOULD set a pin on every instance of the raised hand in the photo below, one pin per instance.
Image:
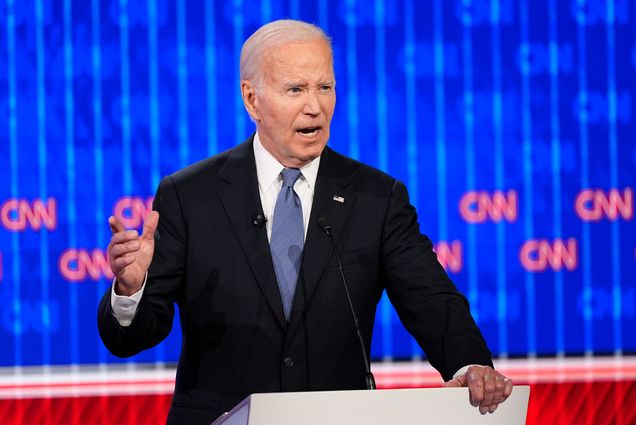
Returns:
(130, 254)
(488, 388)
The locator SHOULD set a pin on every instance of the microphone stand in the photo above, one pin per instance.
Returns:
(326, 228)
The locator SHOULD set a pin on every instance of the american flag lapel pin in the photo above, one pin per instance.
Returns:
(338, 199)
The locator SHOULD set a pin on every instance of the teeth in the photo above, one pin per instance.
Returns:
(308, 134)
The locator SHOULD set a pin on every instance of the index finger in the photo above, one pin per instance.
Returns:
(476, 387)
(115, 225)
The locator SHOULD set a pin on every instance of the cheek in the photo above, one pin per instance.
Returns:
(285, 117)
(329, 105)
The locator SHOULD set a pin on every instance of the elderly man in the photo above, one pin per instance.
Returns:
(235, 241)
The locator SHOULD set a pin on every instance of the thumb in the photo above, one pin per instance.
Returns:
(115, 225)
(150, 226)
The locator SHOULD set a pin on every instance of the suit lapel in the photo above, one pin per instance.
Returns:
(241, 201)
(333, 177)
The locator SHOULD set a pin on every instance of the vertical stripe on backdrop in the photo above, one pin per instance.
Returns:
(528, 187)
(182, 76)
(352, 78)
(469, 143)
(42, 182)
(500, 228)
(555, 148)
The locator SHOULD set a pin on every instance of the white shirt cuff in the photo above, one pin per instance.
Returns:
(464, 369)
(124, 307)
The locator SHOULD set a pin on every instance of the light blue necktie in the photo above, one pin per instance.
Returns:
(286, 244)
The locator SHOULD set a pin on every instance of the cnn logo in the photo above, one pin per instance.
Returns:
(132, 210)
(77, 265)
(596, 204)
(537, 255)
(17, 215)
(481, 206)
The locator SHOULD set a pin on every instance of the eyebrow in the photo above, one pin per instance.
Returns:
(298, 83)
(294, 83)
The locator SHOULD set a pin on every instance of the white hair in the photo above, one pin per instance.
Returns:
(272, 35)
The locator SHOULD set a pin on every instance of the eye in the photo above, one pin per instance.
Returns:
(294, 90)
(325, 88)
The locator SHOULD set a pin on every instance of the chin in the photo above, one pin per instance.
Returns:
(315, 150)
(307, 155)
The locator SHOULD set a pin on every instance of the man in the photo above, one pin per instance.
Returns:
(235, 242)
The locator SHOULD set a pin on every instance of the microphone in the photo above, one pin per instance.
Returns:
(259, 220)
(323, 222)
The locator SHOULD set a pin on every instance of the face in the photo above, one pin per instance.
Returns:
(295, 103)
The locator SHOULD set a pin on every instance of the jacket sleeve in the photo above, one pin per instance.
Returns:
(427, 302)
(155, 313)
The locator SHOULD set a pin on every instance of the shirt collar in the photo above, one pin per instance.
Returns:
(268, 168)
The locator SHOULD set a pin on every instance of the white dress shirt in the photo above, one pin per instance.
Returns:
(269, 183)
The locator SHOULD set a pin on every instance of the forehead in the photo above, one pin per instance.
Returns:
(299, 59)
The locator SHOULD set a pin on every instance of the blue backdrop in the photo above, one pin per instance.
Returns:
(511, 122)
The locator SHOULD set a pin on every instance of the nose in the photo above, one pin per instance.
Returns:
(312, 103)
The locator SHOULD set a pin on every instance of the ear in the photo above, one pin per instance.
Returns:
(248, 92)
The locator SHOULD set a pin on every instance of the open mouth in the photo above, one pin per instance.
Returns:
(308, 131)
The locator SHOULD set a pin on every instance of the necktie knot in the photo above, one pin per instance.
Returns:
(290, 175)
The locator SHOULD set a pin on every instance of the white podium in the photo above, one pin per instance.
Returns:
(439, 406)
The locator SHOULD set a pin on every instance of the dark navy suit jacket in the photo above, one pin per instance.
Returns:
(216, 265)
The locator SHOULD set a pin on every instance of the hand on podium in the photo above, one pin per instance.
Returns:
(488, 388)
(130, 254)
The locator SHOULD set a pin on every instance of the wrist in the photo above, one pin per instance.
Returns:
(126, 290)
